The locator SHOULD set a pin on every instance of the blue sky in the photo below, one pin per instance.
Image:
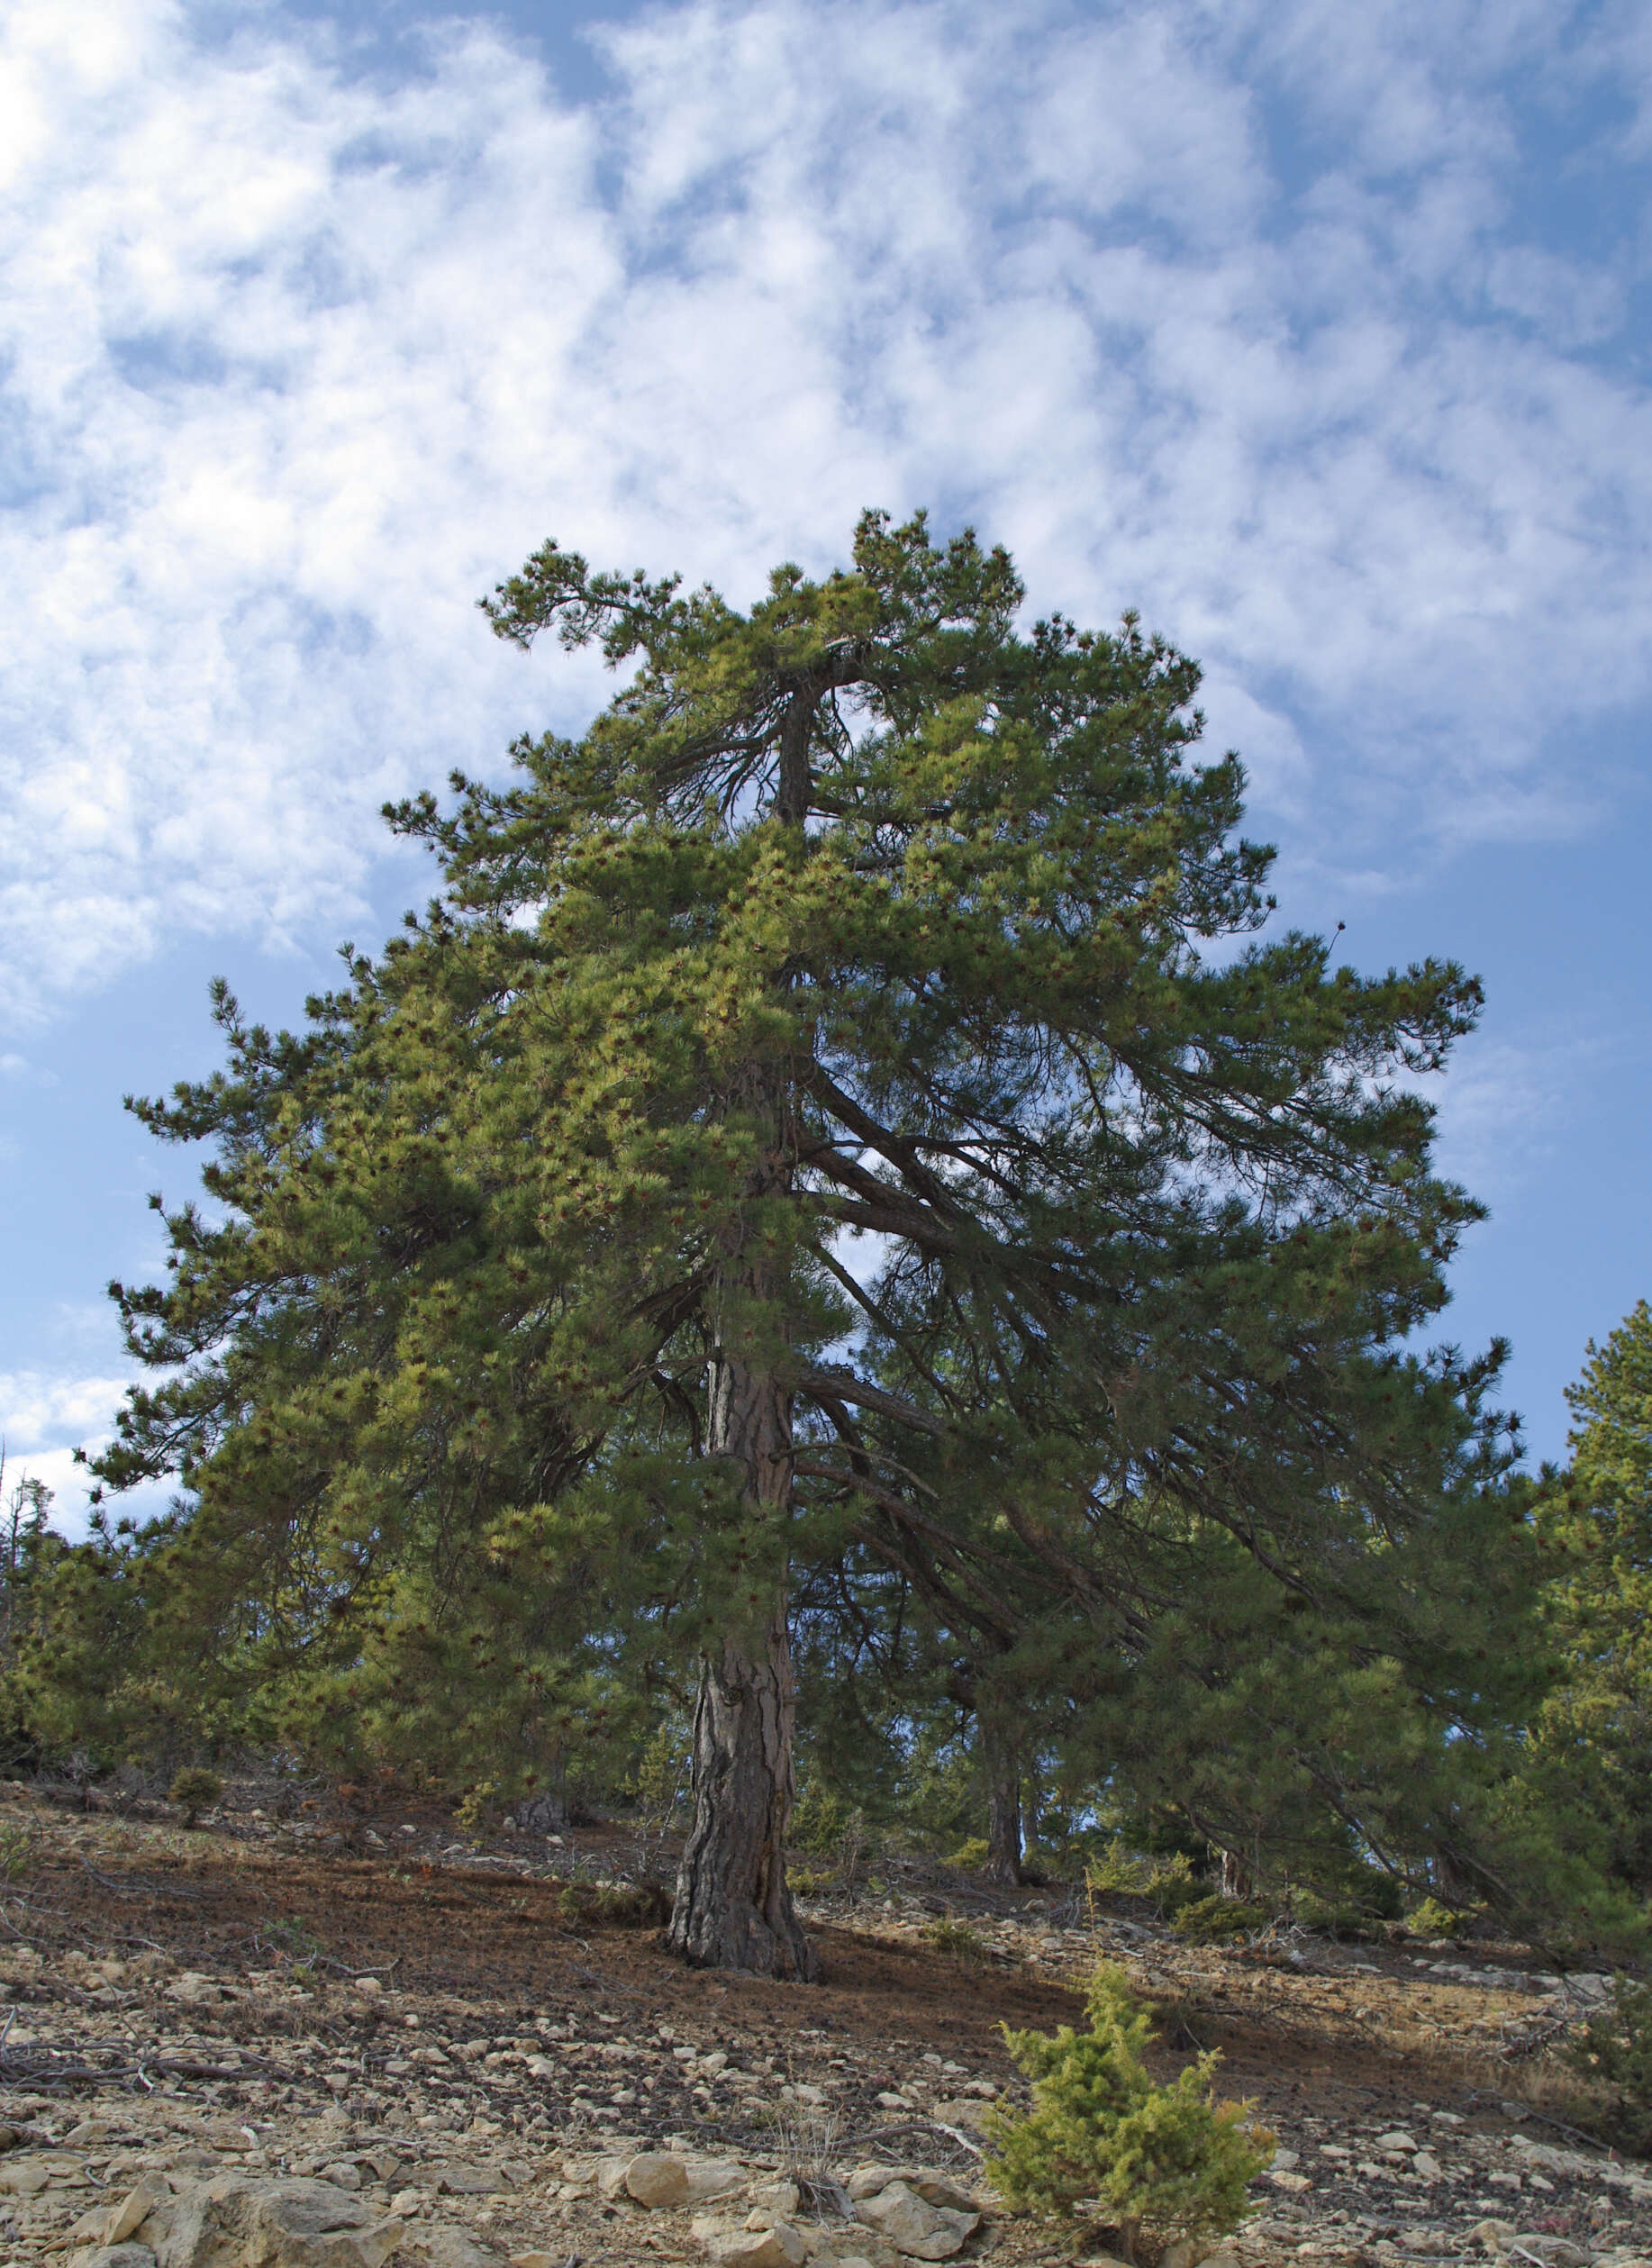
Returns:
(1319, 334)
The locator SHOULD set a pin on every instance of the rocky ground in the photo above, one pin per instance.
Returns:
(331, 2043)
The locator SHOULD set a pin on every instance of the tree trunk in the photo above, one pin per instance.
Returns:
(1237, 1879)
(734, 1909)
(1004, 1810)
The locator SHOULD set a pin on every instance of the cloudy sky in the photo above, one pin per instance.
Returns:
(1318, 333)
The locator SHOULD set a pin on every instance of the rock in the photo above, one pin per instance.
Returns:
(1293, 2181)
(113, 2256)
(406, 2203)
(780, 2198)
(710, 2178)
(1497, 2236)
(1183, 2254)
(1398, 2140)
(914, 2226)
(965, 2111)
(780, 2246)
(445, 2246)
(1284, 2160)
(1554, 2252)
(371, 1986)
(939, 2189)
(468, 2181)
(133, 2209)
(611, 2176)
(194, 1989)
(654, 2178)
(1426, 2164)
(865, 2181)
(538, 2259)
(267, 2223)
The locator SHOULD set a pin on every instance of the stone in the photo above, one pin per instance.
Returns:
(24, 2177)
(371, 1986)
(264, 2223)
(1554, 2252)
(912, 2226)
(133, 2209)
(406, 2203)
(710, 2178)
(781, 2198)
(654, 2178)
(113, 2256)
(780, 2246)
(967, 2112)
(1183, 2254)
(611, 2176)
(195, 1991)
(1294, 2182)
(1428, 2167)
(456, 2180)
(445, 2246)
(538, 2259)
(1398, 2140)
(939, 2189)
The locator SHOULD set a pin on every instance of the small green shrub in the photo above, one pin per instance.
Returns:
(1333, 1916)
(819, 1819)
(808, 1881)
(1431, 1919)
(16, 1853)
(614, 1905)
(196, 1790)
(473, 1813)
(956, 1940)
(1103, 2135)
(1613, 2052)
(1207, 1920)
(970, 1857)
(302, 1947)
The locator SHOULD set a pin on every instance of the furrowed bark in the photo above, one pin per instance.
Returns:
(734, 1909)
(1004, 1810)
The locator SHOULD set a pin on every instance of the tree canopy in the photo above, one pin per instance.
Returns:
(838, 1121)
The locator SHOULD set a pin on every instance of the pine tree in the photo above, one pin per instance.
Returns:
(1592, 1752)
(530, 1326)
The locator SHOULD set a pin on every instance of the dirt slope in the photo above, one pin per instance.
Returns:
(387, 2003)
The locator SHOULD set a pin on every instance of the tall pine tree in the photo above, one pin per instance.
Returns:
(863, 914)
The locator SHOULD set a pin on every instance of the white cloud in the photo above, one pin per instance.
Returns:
(44, 1417)
(1506, 1107)
(296, 362)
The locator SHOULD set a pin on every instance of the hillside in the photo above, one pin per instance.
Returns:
(440, 2030)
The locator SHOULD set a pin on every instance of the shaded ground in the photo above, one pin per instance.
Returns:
(299, 1996)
